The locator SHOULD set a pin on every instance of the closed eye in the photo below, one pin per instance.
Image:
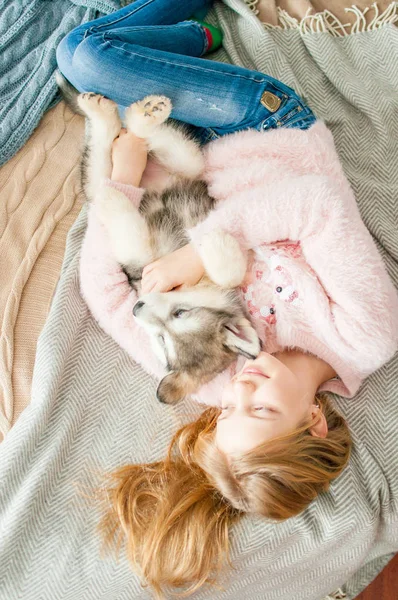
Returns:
(265, 409)
(259, 409)
(179, 312)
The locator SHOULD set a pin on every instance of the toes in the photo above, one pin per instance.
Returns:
(88, 100)
(144, 116)
(154, 106)
(89, 97)
(158, 107)
(96, 104)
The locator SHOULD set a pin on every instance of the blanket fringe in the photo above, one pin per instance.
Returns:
(327, 22)
(252, 4)
(337, 595)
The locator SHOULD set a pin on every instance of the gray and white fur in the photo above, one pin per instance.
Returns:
(196, 332)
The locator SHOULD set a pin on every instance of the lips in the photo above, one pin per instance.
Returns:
(254, 371)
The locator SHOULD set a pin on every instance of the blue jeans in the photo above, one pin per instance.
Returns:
(149, 47)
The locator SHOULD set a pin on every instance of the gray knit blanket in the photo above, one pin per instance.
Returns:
(30, 31)
(93, 409)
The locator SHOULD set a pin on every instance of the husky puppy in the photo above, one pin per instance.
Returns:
(196, 332)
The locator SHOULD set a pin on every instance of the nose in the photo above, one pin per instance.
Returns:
(137, 307)
(243, 391)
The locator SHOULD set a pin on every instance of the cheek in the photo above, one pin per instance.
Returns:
(226, 436)
(186, 324)
(171, 352)
(227, 393)
(154, 332)
(281, 392)
(158, 351)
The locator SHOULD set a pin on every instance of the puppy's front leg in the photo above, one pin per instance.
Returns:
(127, 229)
(103, 126)
(172, 147)
(223, 259)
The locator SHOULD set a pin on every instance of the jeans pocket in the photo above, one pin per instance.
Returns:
(294, 113)
(302, 122)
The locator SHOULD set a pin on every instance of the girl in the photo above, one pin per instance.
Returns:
(317, 291)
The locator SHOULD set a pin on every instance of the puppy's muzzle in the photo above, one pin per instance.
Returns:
(137, 307)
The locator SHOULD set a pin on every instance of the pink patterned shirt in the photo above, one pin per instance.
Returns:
(315, 280)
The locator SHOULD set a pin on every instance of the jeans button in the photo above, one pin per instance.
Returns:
(270, 101)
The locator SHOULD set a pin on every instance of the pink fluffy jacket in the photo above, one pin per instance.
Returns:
(315, 279)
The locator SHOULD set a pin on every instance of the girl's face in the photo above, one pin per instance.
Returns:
(264, 400)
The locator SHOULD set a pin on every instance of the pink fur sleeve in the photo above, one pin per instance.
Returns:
(362, 297)
(289, 209)
(133, 193)
(106, 290)
(322, 214)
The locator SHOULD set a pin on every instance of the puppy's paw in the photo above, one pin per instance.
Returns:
(144, 116)
(96, 106)
(102, 113)
(223, 259)
(110, 202)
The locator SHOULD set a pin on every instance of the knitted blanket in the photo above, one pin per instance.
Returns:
(30, 31)
(93, 409)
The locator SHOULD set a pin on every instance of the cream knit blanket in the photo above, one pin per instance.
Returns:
(39, 198)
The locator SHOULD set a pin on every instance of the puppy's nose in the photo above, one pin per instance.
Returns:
(137, 307)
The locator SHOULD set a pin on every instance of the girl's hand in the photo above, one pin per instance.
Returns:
(129, 158)
(182, 267)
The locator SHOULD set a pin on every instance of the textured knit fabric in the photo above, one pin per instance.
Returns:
(94, 409)
(339, 17)
(283, 195)
(40, 198)
(30, 31)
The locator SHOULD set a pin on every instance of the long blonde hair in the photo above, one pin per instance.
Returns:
(175, 515)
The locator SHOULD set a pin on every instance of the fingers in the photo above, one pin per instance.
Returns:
(156, 282)
(146, 270)
(153, 279)
(128, 138)
(122, 133)
(150, 283)
(117, 139)
(147, 285)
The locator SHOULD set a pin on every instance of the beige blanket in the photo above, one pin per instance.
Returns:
(340, 15)
(40, 198)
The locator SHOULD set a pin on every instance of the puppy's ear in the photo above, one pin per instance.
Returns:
(241, 337)
(174, 387)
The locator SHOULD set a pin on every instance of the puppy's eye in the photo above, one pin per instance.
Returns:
(177, 314)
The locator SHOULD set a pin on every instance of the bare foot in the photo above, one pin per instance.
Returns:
(129, 158)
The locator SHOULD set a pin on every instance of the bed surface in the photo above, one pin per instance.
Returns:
(40, 190)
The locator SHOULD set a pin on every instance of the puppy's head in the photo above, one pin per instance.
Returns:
(196, 334)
